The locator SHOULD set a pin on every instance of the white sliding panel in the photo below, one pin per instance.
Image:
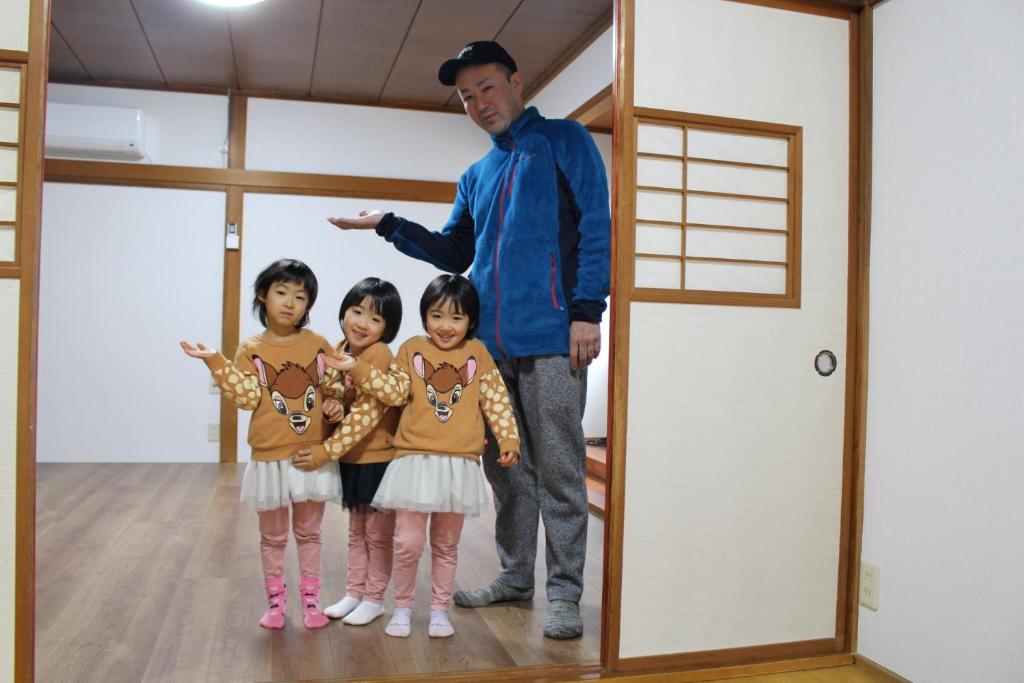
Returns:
(14, 15)
(10, 290)
(735, 444)
(125, 274)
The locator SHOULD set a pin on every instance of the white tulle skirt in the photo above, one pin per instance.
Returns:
(433, 483)
(268, 485)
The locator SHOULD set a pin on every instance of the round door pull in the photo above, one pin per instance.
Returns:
(825, 363)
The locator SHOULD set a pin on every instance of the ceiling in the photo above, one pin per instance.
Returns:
(383, 52)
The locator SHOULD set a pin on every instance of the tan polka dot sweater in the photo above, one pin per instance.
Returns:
(283, 384)
(447, 395)
(366, 434)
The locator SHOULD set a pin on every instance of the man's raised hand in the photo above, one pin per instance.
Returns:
(366, 220)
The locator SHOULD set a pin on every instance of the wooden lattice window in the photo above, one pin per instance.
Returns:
(11, 95)
(717, 210)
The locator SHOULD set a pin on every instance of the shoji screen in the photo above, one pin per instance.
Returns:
(734, 453)
(14, 106)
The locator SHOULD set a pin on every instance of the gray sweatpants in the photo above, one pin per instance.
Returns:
(549, 482)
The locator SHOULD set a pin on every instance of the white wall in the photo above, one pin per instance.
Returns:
(586, 76)
(126, 273)
(181, 129)
(944, 469)
(315, 137)
(595, 417)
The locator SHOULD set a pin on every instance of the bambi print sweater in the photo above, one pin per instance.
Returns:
(282, 383)
(366, 434)
(447, 395)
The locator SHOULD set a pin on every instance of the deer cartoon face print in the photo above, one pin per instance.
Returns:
(292, 389)
(445, 383)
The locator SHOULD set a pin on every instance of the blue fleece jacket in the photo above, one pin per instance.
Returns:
(532, 219)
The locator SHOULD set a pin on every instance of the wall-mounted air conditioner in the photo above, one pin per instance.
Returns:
(86, 131)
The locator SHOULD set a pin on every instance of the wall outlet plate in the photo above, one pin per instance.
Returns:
(869, 585)
(213, 431)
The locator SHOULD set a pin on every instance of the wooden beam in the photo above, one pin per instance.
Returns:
(255, 93)
(858, 305)
(837, 9)
(232, 297)
(16, 56)
(276, 182)
(33, 100)
(594, 108)
(623, 196)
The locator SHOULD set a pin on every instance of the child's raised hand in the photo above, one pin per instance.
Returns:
(509, 459)
(333, 411)
(200, 350)
(340, 361)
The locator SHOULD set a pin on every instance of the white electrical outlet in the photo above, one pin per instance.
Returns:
(214, 389)
(869, 585)
(213, 431)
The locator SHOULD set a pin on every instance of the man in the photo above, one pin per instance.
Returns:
(532, 219)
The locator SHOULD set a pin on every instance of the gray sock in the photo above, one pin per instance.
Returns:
(490, 594)
(563, 621)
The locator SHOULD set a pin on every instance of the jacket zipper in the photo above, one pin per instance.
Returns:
(554, 297)
(507, 189)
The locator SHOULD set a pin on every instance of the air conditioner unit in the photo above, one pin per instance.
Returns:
(81, 130)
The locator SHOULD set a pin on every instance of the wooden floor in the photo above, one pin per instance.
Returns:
(151, 572)
(842, 674)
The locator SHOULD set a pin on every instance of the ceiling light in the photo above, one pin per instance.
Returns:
(231, 3)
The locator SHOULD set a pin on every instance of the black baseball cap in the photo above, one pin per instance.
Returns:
(477, 52)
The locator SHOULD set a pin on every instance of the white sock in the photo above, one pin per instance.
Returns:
(342, 607)
(399, 624)
(440, 627)
(364, 614)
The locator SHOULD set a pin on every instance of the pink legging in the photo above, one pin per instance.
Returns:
(306, 518)
(410, 536)
(369, 553)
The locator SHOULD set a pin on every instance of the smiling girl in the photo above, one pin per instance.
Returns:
(279, 375)
(370, 316)
(449, 386)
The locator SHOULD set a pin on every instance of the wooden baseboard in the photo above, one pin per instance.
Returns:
(878, 671)
(738, 671)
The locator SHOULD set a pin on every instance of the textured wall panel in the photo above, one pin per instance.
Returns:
(942, 492)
